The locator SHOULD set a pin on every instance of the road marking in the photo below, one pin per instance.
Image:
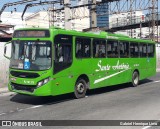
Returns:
(34, 107)
(7, 94)
(156, 81)
(146, 127)
(2, 113)
(18, 110)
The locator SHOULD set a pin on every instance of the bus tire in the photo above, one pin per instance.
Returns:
(80, 89)
(135, 78)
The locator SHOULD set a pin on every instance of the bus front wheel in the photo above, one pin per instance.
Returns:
(80, 89)
(135, 78)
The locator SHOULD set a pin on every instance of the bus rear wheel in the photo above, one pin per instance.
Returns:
(135, 78)
(80, 89)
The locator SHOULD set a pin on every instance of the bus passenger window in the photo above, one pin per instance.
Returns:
(143, 50)
(112, 49)
(78, 49)
(150, 50)
(124, 49)
(99, 48)
(83, 48)
(134, 50)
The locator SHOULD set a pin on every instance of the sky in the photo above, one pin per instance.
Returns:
(10, 16)
(20, 8)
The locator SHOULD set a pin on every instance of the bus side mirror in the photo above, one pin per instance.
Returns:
(7, 50)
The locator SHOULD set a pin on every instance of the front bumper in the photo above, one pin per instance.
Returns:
(44, 90)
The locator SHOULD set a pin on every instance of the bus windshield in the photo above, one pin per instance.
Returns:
(31, 55)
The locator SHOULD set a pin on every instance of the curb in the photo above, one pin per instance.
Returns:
(158, 70)
(4, 90)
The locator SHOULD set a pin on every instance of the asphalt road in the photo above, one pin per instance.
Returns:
(120, 102)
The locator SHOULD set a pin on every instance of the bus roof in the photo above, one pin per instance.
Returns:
(100, 34)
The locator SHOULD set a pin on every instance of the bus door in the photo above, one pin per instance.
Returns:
(62, 62)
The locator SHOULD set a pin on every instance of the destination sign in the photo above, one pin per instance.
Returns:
(31, 33)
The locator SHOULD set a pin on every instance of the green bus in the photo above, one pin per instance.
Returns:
(55, 61)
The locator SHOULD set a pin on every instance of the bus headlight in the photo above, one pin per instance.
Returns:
(44, 81)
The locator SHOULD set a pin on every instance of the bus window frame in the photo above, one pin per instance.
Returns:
(105, 47)
(117, 47)
(143, 43)
(134, 42)
(124, 41)
(88, 38)
(153, 50)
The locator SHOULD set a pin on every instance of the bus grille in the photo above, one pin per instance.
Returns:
(23, 87)
(24, 74)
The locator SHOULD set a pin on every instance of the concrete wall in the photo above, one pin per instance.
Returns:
(4, 67)
(158, 56)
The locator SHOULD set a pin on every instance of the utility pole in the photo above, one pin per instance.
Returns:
(51, 16)
(131, 11)
(153, 20)
(152, 26)
(67, 24)
(93, 14)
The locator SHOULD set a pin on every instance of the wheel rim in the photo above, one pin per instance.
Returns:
(80, 88)
(136, 79)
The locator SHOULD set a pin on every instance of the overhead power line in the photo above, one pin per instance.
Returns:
(14, 3)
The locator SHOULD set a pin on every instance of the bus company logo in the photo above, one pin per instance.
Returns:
(118, 66)
(122, 67)
(28, 82)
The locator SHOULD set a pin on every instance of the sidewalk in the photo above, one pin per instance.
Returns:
(3, 90)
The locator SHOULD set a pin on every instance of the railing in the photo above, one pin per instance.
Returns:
(125, 21)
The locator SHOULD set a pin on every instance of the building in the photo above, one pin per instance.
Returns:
(38, 19)
(4, 35)
(46, 19)
(102, 12)
(10, 21)
(102, 15)
(13, 18)
(82, 2)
